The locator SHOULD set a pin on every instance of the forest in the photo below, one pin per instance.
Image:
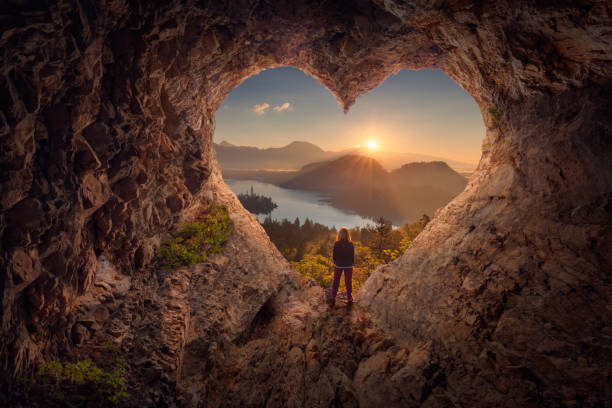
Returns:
(308, 246)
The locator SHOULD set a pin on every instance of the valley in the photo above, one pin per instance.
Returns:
(353, 183)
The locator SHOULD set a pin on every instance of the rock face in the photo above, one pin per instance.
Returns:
(107, 116)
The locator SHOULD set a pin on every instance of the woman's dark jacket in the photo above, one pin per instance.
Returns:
(344, 254)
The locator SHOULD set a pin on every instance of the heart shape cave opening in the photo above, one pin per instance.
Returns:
(350, 169)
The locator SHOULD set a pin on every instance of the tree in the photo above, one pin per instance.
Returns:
(294, 240)
(381, 238)
(308, 246)
(413, 229)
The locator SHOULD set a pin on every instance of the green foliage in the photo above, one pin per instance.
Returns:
(82, 383)
(309, 247)
(294, 239)
(365, 263)
(412, 230)
(496, 115)
(195, 241)
(382, 239)
(315, 267)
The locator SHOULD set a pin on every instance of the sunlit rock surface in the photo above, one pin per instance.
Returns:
(106, 131)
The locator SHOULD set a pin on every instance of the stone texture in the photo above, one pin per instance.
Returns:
(106, 124)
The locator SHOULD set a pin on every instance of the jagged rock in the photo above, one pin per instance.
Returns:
(126, 189)
(107, 109)
(101, 314)
(174, 202)
(25, 267)
(95, 192)
(79, 334)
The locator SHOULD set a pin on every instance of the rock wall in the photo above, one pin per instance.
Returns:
(512, 278)
(107, 121)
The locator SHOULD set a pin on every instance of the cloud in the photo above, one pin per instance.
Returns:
(260, 109)
(284, 106)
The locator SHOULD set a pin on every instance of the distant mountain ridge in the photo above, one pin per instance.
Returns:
(297, 154)
(290, 157)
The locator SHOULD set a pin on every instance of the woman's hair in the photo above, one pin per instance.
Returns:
(343, 235)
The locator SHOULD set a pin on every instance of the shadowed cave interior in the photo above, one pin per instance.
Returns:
(107, 124)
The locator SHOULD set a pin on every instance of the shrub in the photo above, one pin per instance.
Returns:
(196, 240)
(316, 267)
(82, 383)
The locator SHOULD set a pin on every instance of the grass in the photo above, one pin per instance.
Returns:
(195, 241)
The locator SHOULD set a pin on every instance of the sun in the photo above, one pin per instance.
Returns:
(372, 145)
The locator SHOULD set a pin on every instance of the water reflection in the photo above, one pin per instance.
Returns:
(302, 204)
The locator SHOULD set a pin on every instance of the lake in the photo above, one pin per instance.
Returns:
(297, 203)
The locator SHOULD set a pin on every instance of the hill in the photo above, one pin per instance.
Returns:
(422, 188)
(351, 172)
(392, 160)
(423, 174)
(361, 184)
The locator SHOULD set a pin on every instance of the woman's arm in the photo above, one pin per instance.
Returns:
(352, 254)
(334, 252)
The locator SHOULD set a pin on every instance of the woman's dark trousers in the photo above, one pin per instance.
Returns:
(348, 282)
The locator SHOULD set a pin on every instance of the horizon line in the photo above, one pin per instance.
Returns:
(355, 147)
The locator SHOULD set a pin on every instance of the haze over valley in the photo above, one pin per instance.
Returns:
(348, 180)
(298, 153)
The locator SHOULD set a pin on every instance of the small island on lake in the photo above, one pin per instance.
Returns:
(255, 203)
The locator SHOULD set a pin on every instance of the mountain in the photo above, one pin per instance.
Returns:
(353, 181)
(423, 174)
(292, 156)
(351, 172)
(297, 154)
(392, 160)
(422, 188)
(361, 184)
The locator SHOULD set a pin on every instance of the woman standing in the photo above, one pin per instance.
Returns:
(344, 258)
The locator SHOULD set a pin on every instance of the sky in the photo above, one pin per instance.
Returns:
(422, 112)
